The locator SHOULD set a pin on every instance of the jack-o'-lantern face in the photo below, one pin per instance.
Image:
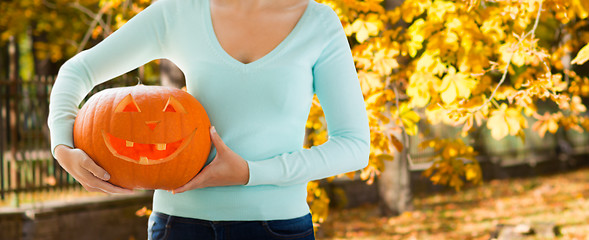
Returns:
(147, 152)
(139, 133)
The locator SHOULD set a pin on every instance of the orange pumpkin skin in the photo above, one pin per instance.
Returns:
(145, 137)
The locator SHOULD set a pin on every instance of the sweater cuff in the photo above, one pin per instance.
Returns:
(61, 134)
(265, 172)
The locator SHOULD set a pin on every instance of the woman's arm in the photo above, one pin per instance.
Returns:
(139, 41)
(338, 90)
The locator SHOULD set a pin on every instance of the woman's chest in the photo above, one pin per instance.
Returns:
(249, 36)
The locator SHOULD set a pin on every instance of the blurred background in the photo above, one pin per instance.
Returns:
(477, 111)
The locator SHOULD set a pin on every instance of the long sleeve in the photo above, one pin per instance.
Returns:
(139, 41)
(336, 84)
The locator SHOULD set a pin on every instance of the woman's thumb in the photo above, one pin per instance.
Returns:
(217, 141)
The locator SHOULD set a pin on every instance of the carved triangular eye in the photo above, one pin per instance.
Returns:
(169, 108)
(128, 104)
(174, 105)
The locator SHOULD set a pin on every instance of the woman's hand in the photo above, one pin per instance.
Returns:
(92, 177)
(226, 169)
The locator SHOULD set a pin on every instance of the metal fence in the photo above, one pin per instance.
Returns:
(509, 151)
(26, 164)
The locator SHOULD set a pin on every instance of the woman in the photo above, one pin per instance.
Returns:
(254, 65)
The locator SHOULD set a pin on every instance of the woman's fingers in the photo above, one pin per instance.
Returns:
(109, 188)
(95, 172)
(92, 177)
(197, 181)
(192, 184)
(226, 169)
(104, 187)
(91, 189)
(92, 167)
(93, 183)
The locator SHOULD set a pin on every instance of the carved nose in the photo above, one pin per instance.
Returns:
(151, 124)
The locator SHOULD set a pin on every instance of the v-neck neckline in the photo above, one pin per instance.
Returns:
(233, 61)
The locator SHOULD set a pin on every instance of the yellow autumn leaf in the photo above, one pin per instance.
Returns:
(409, 119)
(449, 152)
(384, 61)
(417, 33)
(449, 92)
(411, 9)
(504, 121)
(396, 143)
(369, 82)
(582, 56)
(451, 39)
(552, 126)
(504, 92)
(470, 174)
(547, 122)
(430, 61)
(120, 21)
(143, 212)
(376, 99)
(437, 178)
(97, 31)
(456, 182)
(366, 27)
(493, 28)
(577, 105)
(474, 61)
(581, 7)
(435, 114)
(456, 85)
(419, 88)
(473, 173)
(439, 11)
(510, 50)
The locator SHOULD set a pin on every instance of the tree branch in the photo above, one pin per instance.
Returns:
(96, 19)
(506, 69)
(405, 139)
(90, 14)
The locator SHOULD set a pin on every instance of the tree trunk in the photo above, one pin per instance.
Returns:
(13, 79)
(394, 183)
(171, 75)
(3, 62)
(13, 123)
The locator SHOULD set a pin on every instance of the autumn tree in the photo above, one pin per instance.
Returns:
(56, 30)
(464, 64)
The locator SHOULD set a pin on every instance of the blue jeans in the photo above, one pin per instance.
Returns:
(163, 226)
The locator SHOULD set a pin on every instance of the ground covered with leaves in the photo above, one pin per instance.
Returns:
(475, 212)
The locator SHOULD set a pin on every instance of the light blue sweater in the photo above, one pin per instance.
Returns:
(259, 109)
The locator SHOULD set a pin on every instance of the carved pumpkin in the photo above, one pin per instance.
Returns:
(145, 137)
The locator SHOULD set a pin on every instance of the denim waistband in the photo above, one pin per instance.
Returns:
(171, 218)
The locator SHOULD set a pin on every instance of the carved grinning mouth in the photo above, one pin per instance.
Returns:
(145, 153)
